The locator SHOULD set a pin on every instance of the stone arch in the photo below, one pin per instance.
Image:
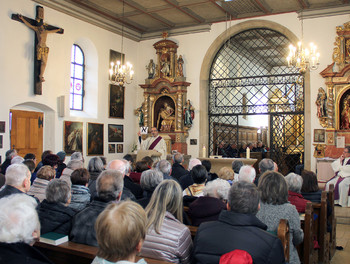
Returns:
(205, 71)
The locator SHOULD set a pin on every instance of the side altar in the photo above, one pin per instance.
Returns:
(165, 103)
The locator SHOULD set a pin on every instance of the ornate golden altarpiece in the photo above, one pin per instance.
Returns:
(336, 118)
(165, 103)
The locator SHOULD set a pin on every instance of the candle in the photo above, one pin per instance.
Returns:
(204, 152)
(248, 153)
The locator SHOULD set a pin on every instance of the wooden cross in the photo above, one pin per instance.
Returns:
(41, 51)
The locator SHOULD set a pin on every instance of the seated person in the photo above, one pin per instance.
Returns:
(227, 174)
(309, 189)
(95, 167)
(149, 181)
(211, 175)
(238, 228)
(187, 180)
(177, 169)
(20, 228)
(236, 166)
(17, 180)
(167, 237)
(120, 232)
(109, 189)
(140, 167)
(274, 206)
(247, 173)
(44, 175)
(53, 212)
(80, 192)
(199, 176)
(294, 183)
(71, 166)
(209, 206)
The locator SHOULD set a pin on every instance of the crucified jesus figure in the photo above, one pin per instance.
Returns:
(42, 51)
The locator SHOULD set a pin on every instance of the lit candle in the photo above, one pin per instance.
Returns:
(204, 152)
(248, 153)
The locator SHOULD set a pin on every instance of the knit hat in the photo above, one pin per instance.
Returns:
(61, 155)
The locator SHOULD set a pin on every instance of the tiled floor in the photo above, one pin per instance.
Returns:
(343, 236)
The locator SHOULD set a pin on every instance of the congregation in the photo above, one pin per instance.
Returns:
(144, 208)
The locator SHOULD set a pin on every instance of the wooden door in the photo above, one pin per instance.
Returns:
(27, 132)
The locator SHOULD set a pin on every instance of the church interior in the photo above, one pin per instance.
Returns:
(207, 74)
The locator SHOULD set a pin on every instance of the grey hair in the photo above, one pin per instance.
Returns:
(127, 166)
(150, 179)
(294, 182)
(193, 162)
(218, 188)
(178, 157)
(11, 153)
(75, 164)
(18, 219)
(95, 165)
(237, 165)
(77, 156)
(247, 173)
(244, 198)
(16, 174)
(266, 165)
(17, 160)
(58, 191)
(164, 167)
(110, 184)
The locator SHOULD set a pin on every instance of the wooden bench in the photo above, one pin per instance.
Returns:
(306, 251)
(333, 222)
(74, 253)
(320, 228)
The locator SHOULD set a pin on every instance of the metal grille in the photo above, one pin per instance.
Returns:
(249, 76)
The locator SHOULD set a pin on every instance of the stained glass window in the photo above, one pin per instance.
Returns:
(77, 79)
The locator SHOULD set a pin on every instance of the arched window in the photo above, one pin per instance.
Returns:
(77, 78)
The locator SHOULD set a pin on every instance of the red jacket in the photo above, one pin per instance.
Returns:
(297, 200)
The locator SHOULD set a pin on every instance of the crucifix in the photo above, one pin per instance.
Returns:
(41, 51)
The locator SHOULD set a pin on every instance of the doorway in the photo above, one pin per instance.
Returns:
(26, 132)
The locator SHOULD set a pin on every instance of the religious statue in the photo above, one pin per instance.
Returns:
(188, 114)
(180, 63)
(165, 67)
(167, 113)
(140, 115)
(321, 103)
(42, 51)
(151, 67)
(345, 114)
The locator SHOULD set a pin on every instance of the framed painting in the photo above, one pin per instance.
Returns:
(115, 56)
(1, 142)
(73, 137)
(115, 133)
(119, 148)
(116, 101)
(111, 148)
(94, 139)
(319, 135)
(2, 126)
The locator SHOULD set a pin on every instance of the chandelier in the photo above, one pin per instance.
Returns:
(303, 58)
(120, 73)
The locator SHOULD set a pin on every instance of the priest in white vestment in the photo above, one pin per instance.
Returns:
(155, 142)
(341, 168)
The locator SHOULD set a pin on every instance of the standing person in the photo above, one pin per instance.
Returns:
(341, 180)
(155, 142)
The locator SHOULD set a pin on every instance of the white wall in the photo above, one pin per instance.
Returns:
(16, 75)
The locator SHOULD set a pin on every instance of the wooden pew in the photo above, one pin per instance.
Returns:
(306, 249)
(320, 228)
(284, 235)
(333, 222)
(74, 253)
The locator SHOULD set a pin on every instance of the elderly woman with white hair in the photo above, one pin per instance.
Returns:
(19, 229)
(149, 181)
(208, 207)
(294, 183)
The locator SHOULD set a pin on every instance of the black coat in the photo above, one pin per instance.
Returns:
(21, 253)
(55, 217)
(236, 231)
(133, 187)
(178, 170)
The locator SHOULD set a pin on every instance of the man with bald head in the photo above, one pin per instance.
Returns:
(122, 167)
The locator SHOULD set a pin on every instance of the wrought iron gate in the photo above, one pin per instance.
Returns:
(249, 80)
